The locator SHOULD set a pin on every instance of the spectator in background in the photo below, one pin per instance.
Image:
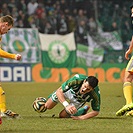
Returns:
(33, 21)
(5, 9)
(24, 18)
(22, 6)
(32, 6)
(74, 13)
(11, 5)
(49, 29)
(114, 26)
(52, 19)
(15, 20)
(79, 9)
(62, 26)
(63, 5)
(79, 4)
(42, 22)
(20, 24)
(81, 33)
(71, 24)
(39, 10)
(81, 17)
(92, 25)
(57, 7)
(36, 21)
(125, 31)
(15, 11)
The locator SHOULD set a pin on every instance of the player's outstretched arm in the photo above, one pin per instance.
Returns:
(5, 54)
(86, 116)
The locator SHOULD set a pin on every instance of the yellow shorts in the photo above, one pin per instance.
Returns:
(129, 67)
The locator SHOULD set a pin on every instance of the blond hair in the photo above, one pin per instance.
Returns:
(8, 19)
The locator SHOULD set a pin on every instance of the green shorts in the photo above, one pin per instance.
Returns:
(69, 95)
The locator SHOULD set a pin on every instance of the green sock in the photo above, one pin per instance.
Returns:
(80, 111)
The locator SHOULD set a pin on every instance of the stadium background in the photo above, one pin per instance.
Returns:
(101, 31)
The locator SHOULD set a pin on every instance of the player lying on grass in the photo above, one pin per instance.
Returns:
(77, 90)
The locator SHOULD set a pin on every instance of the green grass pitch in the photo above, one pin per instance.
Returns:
(19, 97)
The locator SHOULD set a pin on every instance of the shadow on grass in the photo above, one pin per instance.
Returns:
(107, 117)
(56, 117)
(40, 116)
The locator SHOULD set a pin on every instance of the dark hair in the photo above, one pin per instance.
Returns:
(93, 81)
(131, 7)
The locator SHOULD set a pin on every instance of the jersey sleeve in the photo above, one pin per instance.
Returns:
(95, 103)
(6, 54)
(75, 80)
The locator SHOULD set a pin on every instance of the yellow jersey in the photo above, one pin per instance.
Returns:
(5, 54)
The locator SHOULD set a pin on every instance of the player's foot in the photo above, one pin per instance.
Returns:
(123, 110)
(86, 108)
(130, 113)
(9, 114)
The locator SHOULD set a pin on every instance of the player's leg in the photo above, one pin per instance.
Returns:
(81, 111)
(52, 101)
(2, 100)
(50, 104)
(127, 89)
(64, 114)
(4, 111)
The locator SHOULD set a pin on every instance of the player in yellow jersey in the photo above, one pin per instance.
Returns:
(127, 86)
(6, 23)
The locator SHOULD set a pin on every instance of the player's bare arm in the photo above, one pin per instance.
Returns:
(86, 116)
(69, 108)
(129, 51)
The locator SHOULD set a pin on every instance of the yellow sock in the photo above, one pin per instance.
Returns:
(2, 100)
(127, 90)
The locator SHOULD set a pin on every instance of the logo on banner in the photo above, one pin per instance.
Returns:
(58, 52)
(18, 44)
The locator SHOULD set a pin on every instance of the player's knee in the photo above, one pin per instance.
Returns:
(64, 114)
(50, 105)
(61, 115)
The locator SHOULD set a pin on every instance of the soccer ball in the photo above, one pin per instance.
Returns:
(39, 104)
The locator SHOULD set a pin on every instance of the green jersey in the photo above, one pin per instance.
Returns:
(74, 84)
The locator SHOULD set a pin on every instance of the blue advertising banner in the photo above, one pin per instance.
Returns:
(15, 72)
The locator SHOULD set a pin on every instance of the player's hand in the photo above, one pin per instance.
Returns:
(18, 57)
(127, 54)
(71, 109)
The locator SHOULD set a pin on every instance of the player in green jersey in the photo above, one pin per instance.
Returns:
(77, 90)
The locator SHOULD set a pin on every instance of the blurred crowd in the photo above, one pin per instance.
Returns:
(65, 16)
